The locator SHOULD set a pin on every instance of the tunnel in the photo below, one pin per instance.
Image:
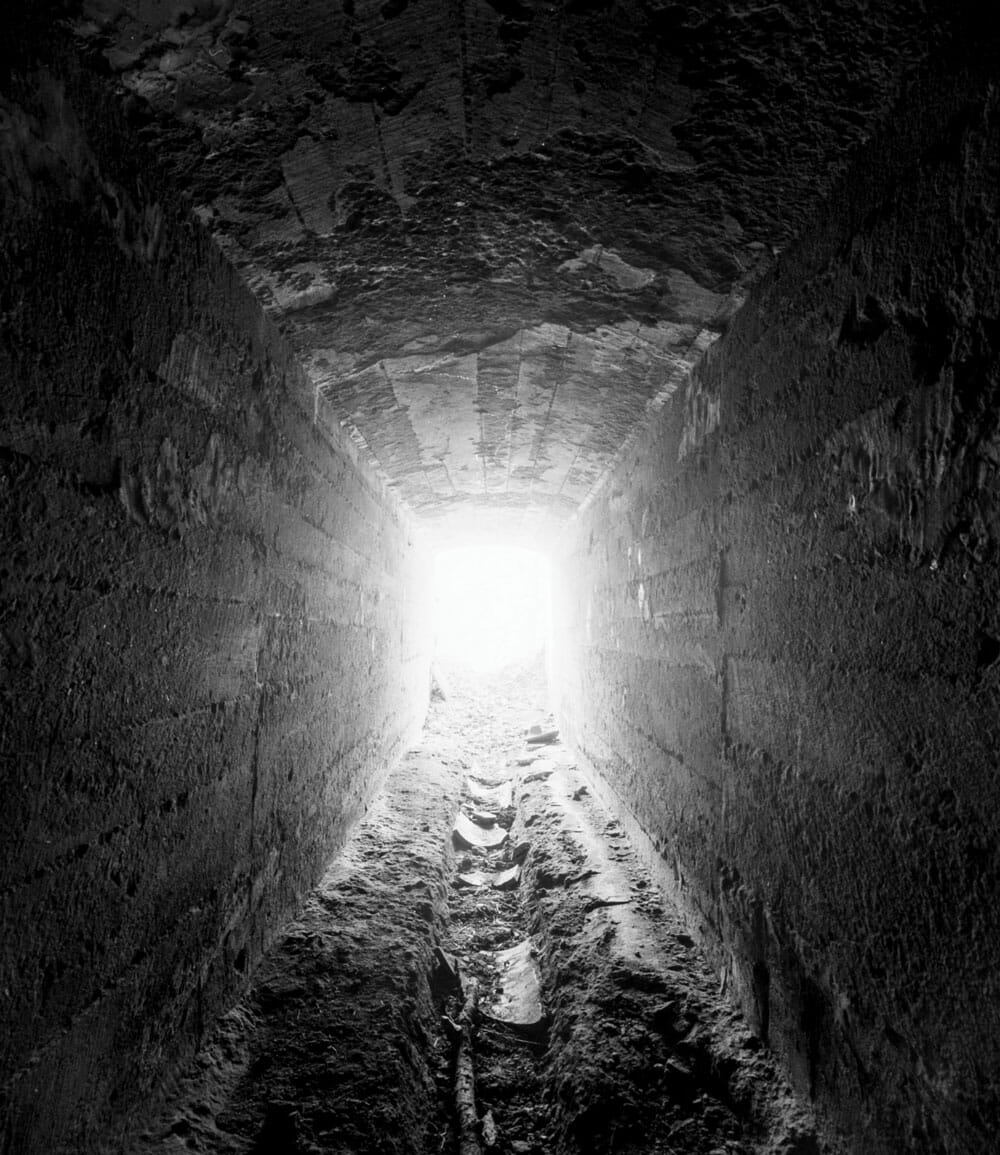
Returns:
(698, 303)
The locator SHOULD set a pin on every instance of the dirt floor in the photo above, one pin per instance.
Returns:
(441, 994)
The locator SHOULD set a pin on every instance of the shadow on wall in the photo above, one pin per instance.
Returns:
(777, 645)
(208, 660)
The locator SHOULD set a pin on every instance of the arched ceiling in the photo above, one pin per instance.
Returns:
(499, 231)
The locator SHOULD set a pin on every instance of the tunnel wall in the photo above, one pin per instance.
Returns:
(210, 640)
(778, 632)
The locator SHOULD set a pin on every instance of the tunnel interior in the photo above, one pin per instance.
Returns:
(700, 304)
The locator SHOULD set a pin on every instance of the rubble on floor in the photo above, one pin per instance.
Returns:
(486, 970)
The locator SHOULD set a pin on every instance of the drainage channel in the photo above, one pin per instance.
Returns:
(499, 1097)
(486, 970)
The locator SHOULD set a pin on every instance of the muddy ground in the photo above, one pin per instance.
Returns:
(535, 998)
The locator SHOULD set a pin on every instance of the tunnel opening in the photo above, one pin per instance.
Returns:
(491, 607)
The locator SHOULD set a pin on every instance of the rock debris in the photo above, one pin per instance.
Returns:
(509, 986)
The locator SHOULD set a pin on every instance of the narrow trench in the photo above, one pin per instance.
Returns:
(539, 997)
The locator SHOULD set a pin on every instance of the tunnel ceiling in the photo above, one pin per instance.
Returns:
(498, 232)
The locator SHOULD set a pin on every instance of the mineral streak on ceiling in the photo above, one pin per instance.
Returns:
(498, 231)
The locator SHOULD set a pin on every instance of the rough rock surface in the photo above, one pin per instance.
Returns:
(779, 626)
(337, 1043)
(525, 214)
(346, 1038)
(500, 240)
(209, 650)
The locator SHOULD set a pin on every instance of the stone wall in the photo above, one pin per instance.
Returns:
(211, 645)
(779, 635)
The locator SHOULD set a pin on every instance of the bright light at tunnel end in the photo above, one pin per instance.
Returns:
(490, 606)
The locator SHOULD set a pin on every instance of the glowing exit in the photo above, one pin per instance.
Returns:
(490, 606)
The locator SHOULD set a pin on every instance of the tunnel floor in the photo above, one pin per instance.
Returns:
(540, 997)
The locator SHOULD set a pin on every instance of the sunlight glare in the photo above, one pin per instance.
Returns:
(490, 605)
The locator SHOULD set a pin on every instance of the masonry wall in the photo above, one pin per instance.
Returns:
(778, 646)
(210, 640)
